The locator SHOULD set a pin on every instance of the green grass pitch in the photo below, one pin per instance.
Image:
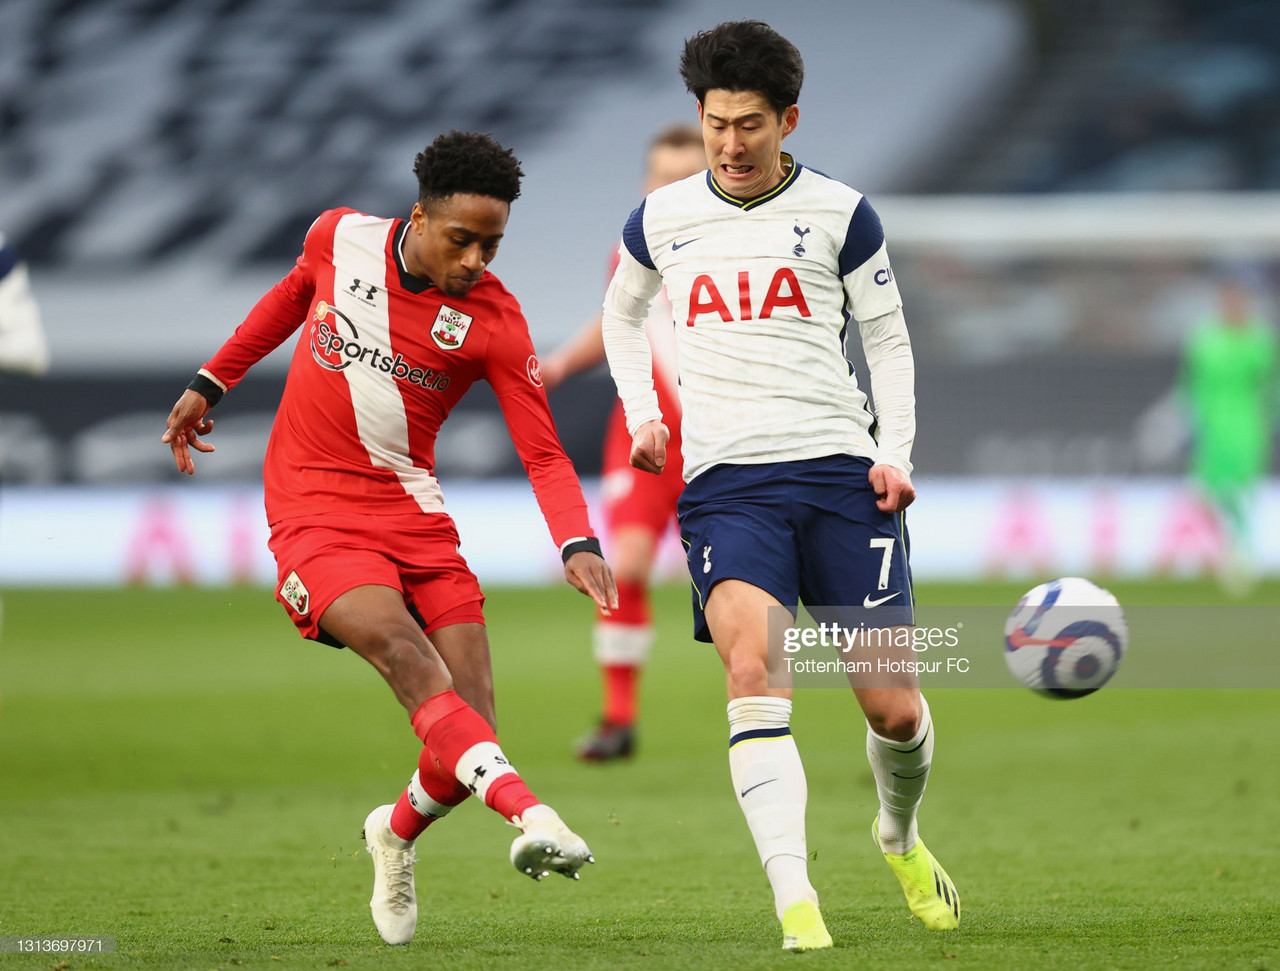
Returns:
(180, 771)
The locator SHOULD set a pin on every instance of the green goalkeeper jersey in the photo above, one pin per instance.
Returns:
(1229, 379)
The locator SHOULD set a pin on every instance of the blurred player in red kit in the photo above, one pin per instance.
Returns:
(638, 507)
(399, 317)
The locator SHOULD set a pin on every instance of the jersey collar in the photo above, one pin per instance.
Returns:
(414, 284)
(792, 168)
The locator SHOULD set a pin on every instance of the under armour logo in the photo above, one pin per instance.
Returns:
(368, 288)
(798, 249)
(706, 559)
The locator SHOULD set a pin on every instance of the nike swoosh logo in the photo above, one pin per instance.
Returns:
(676, 246)
(868, 602)
(743, 793)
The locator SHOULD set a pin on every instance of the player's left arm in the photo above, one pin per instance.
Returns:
(892, 370)
(511, 367)
(872, 294)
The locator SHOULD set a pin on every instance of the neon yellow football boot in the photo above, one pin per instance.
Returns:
(930, 893)
(803, 929)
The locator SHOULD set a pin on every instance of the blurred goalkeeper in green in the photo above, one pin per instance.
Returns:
(1229, 385)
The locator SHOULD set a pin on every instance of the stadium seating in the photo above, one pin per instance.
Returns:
(1155, 95)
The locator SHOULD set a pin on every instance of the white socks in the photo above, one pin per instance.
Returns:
(768, 779)
(901, 770)
(422, 803)
(629, 644)
(769, 782)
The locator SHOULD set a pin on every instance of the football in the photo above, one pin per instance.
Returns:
(1065, 638)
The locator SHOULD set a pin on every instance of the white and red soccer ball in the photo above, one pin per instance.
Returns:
(1065, 638)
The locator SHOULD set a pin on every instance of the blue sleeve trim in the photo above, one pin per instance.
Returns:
(864, 238)
(8, 260)
(633, 238)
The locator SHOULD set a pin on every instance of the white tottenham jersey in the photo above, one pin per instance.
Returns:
(762, 292)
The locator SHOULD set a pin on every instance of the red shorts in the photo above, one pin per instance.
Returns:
(320, 558)
(632, 497)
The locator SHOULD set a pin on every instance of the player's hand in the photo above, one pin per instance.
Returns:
(893, 486)
(187, 423)
(589, 573)
(649, 447)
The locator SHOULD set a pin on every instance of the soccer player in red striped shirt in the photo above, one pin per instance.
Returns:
(399, 317)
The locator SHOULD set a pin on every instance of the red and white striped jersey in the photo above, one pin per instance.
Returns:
(382, 359)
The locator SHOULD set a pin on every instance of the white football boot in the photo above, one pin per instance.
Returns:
(546, 844)
(394, 903)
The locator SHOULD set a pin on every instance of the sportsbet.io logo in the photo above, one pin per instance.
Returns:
(335, 344)
(326, 344)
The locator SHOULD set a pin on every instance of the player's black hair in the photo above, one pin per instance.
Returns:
(468, 162)
(743, 55)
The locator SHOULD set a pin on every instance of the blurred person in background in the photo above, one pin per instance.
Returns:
(399, 318)
(23, 349)
(1229, 386)
(638, 507)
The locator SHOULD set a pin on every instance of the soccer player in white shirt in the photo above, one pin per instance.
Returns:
(23, 349)
(794, 489)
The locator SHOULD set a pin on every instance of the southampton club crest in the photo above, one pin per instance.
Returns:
(294, 592)
(450, 328)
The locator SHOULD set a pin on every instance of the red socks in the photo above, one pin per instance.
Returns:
(633, 605)
(432, 710)
(620, 693)
(623, 641)
(428, 797)
(459, 746)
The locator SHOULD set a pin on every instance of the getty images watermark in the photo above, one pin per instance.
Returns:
(865, 647)
(940, 646)
(872, 651)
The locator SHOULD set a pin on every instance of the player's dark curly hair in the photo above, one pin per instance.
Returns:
(743, 55)
(468, 162)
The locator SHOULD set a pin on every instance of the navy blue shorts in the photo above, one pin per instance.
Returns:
(805, 531)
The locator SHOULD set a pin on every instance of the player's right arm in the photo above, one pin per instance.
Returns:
(636, 281)
(581, 352)
(273, 318)
(187, 422)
